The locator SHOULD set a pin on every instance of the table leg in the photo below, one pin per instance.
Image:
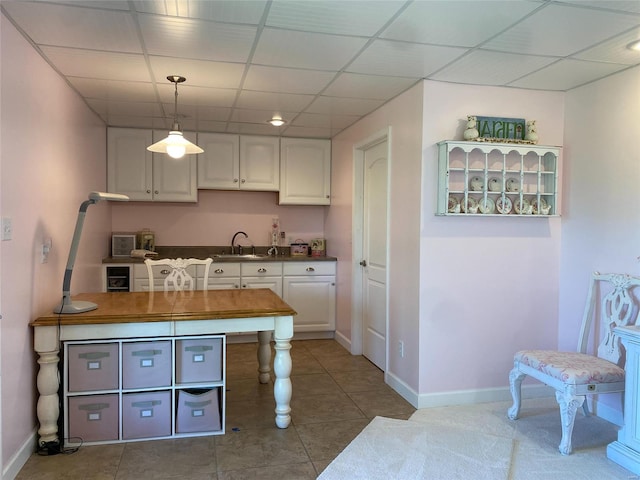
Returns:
(282, 389)
(47, 381)
(264, 356)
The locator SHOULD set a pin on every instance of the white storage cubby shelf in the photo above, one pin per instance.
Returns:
(125, 390)
(497, 179)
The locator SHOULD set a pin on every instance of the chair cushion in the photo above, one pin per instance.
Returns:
(571, 367)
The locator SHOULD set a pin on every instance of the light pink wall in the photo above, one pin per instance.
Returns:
(488, 286)
(52, 155)
(217, 216)
(404, 116)
(601, 221)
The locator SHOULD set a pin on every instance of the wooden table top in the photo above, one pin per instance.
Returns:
(135, 307)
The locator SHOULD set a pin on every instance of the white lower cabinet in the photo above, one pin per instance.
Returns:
(310, 289)
(308, 286)
(262, 275)
(134, 389)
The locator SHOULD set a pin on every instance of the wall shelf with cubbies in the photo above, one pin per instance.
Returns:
(497, 179)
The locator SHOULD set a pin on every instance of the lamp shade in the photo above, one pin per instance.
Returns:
(175, 145)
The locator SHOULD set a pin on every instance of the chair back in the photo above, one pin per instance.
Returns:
(618, 307)
(178, 278)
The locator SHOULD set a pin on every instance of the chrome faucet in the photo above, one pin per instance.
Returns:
(233, 241)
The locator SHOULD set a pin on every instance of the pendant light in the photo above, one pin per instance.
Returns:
(175, 145)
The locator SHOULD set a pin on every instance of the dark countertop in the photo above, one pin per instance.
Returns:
(206, 252)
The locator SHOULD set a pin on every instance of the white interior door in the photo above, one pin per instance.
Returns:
(374, 249)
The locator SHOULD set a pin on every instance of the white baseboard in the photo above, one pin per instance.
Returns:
(17, 461)
(344, 341)
(402, 388)
(467, 397)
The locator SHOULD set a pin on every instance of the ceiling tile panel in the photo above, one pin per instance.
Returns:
(132, 121)
(98, 65)
(119, 91)
(285, 48)
(273, 101)
(343, 106)
(254, 129)
(231, 11)
(385, 57)
(491, 68)
(567, 74)
(459, 23)
(368, 86)
(286, 80)
(127, 108)
(630, 6)
(567, 30)
(104, 4)
(355, 17)
(190, 95)
(317, 120)
(197, 72)
(614, 50)
(67, 26)
(255, 116)
(197, 39)
(308, 132)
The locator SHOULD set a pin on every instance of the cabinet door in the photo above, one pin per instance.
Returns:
(305, 172)
(314, 298)
(273, 283)
(219, 165)
(259, 163)
(174, 179)
(129, 163)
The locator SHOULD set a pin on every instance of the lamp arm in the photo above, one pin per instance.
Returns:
(73, 251)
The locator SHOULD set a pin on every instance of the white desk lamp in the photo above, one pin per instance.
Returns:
(67, 306)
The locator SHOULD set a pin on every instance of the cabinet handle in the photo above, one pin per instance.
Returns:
(311, 269)
(218, 270)
(244, 286)
(156, 192)
(235, 180)
(262, 270)
(165, 272)
(148, 191)
(328, 196)
(236, 286)
(243, 180)
(363, 263)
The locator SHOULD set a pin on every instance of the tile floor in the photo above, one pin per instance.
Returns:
(335, 395)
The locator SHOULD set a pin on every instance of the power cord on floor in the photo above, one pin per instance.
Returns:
(54, 448)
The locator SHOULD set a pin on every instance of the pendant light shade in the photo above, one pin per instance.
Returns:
(175, 145)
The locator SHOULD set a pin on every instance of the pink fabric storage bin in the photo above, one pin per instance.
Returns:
(146, 414)
(199, 360)
(198, 411)
(93, 418)
(146, 364)
(93, 366)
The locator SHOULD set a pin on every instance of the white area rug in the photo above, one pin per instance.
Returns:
(478, 442)
(398, 449)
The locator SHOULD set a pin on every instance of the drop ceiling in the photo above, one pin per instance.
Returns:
(321, 65)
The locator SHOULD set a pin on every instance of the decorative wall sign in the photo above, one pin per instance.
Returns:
(501, 128)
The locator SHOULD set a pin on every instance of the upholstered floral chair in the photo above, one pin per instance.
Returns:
(574, 375)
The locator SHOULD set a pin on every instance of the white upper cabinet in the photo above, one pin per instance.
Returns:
(219, 165)
(144, 176)
(238, 162)
(259, 160)
(305, 171)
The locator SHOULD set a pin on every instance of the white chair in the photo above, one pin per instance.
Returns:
(177, 278)
(576, 374)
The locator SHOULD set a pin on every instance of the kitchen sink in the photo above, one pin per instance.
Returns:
(239, 255)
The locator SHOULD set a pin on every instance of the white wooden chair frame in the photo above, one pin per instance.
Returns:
(576, 374)
(178, 279)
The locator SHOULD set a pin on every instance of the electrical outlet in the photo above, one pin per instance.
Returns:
(46, 248)
(401, 349)
(7, 228)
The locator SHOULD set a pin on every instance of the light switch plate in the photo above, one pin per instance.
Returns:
(7, 228)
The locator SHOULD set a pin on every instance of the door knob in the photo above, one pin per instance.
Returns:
(363, 263)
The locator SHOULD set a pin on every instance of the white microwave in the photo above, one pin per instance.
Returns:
(122, 244)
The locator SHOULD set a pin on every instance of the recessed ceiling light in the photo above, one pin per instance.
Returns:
(634, 46)
(277, 121)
